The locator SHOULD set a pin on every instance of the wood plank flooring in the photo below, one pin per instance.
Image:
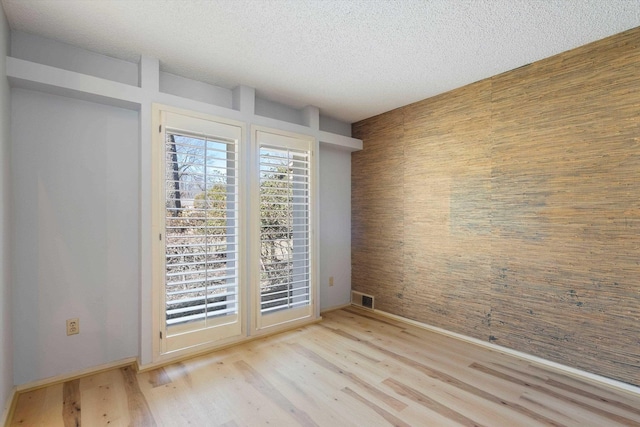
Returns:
(352, 369)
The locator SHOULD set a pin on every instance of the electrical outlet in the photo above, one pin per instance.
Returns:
(330, 280)
(73, 326)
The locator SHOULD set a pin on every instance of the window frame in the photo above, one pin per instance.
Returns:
(162, 351)
(248, 198)
(261, 324)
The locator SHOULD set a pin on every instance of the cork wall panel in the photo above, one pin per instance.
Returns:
(517, 209)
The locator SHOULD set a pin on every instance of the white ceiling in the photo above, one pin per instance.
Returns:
(351, 58)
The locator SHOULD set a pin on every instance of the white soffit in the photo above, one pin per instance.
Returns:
(352, 59)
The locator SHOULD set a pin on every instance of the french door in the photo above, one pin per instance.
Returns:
(284, 250)
(199, 219)
(215, 250)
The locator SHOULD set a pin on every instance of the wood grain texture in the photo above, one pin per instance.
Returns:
(424, 400)
(389, 417)
(314, 357)
(138, 406)
(554, 394)
(509, 210)
(158, 377)
(353, 369)
(273, 394)
(71, 407)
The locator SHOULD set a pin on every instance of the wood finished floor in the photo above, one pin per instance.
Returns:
(352, 369)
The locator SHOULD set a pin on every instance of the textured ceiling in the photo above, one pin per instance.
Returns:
(352, 59)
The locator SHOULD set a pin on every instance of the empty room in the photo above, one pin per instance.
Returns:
(320, 213)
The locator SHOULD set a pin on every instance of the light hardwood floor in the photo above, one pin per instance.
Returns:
(352, 369)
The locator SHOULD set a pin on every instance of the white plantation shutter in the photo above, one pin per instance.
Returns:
(284, 228)
(285, 223)
(206, 265)
(201, 228)
(197, 219)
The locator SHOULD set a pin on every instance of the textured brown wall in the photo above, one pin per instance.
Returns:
(509, 210)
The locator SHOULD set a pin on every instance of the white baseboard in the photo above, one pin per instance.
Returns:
(9, 407)
(334, 308)
(567, 370)
(33, 385)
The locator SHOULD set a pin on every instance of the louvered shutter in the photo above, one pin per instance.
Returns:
(285, 275)
(198, 254)
(201, 228)
(284, 228)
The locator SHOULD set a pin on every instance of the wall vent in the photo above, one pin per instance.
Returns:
(362, 300)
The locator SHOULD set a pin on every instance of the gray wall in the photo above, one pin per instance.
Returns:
(335, 227)
(75, 206)
(6, 348)
(75, 203)
(75, 222)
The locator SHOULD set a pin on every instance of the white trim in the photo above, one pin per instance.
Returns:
(9, 406)
(230, 328)
(45, 382)
(56, 81)
(334, 308)
(264, 135)
(568, 370)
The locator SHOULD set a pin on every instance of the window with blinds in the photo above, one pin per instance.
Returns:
(216, 281)
(284, 177)
(201, 229)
